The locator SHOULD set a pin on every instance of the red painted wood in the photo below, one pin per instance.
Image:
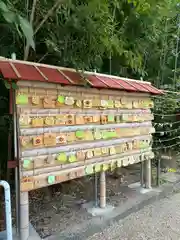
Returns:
(48, 74)
(54, 75)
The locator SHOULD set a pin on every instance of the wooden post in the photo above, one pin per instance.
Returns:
(96, 189)
(148, 173)
(24, 216)
(102, 189)
(142, 174)
(158, 171)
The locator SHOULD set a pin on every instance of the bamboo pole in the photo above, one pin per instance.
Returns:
(16, 155)
(142, 174)
(148, 173)
(102, 189)
(96, 189)
(24, 216)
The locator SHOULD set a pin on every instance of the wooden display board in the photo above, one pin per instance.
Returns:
(69, 132)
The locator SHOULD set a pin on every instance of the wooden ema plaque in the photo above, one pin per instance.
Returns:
(66, 135)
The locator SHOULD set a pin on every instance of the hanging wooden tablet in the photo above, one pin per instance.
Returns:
(124, 100)
(97, 152)
(37, 122)
(135, 144)
(110, 118)
(49, 139)
(60, 120)
(49, 121)
(119, 148)
(35, 100)
(105, 167)
(117, 104)
(24, 120)
(48, 102)
(72, 158)
(70, 119)
(80, 155)
(62, 178)
(22, 99)
(113, 166)
(37, 141)
(98, 167)
(62, 157)
(88, 135)
(60, 101)
(89, 170)
(118, 118)
(72, 175)
(97, 134)
(96, 118)
(49, 160)
(124, 117)
(51, 179)
(79, 120)
(70, 136)
(61, 138)
(118, 132)
(112, 150)
(96, 102)
(87, 103)
(79, 103)
(80, 172)
(151, 104)
(27, 184)
(141, 103)
(105, 150)
(88, 119)
(104, 119)
(89, 154)
(69, 101)
(27, 164)
(25, 141)
(110, 104)
(124, 147)
(80, 134)
(103, 104)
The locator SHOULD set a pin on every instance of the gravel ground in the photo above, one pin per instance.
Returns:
(63, 211)
(159, 221)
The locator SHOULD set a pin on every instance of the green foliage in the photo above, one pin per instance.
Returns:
(13, 23)
(167, 123)
(129, 38)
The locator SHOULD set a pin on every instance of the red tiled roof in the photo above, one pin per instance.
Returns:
(19, 70)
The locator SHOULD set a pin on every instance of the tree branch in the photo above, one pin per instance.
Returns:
(49, 13)
(26, 51)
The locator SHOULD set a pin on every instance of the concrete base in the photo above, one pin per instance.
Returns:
(137, 187)
(142, 190)
(145, 190)
(97, 211)
(171, 177)
(134, 185)
(33, 234)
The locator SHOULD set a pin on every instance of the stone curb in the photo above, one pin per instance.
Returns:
(94, 229)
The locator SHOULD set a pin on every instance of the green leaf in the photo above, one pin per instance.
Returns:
(7, 85)
(14, 86)
(9, 16)
(3, 6)
(27, 29)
